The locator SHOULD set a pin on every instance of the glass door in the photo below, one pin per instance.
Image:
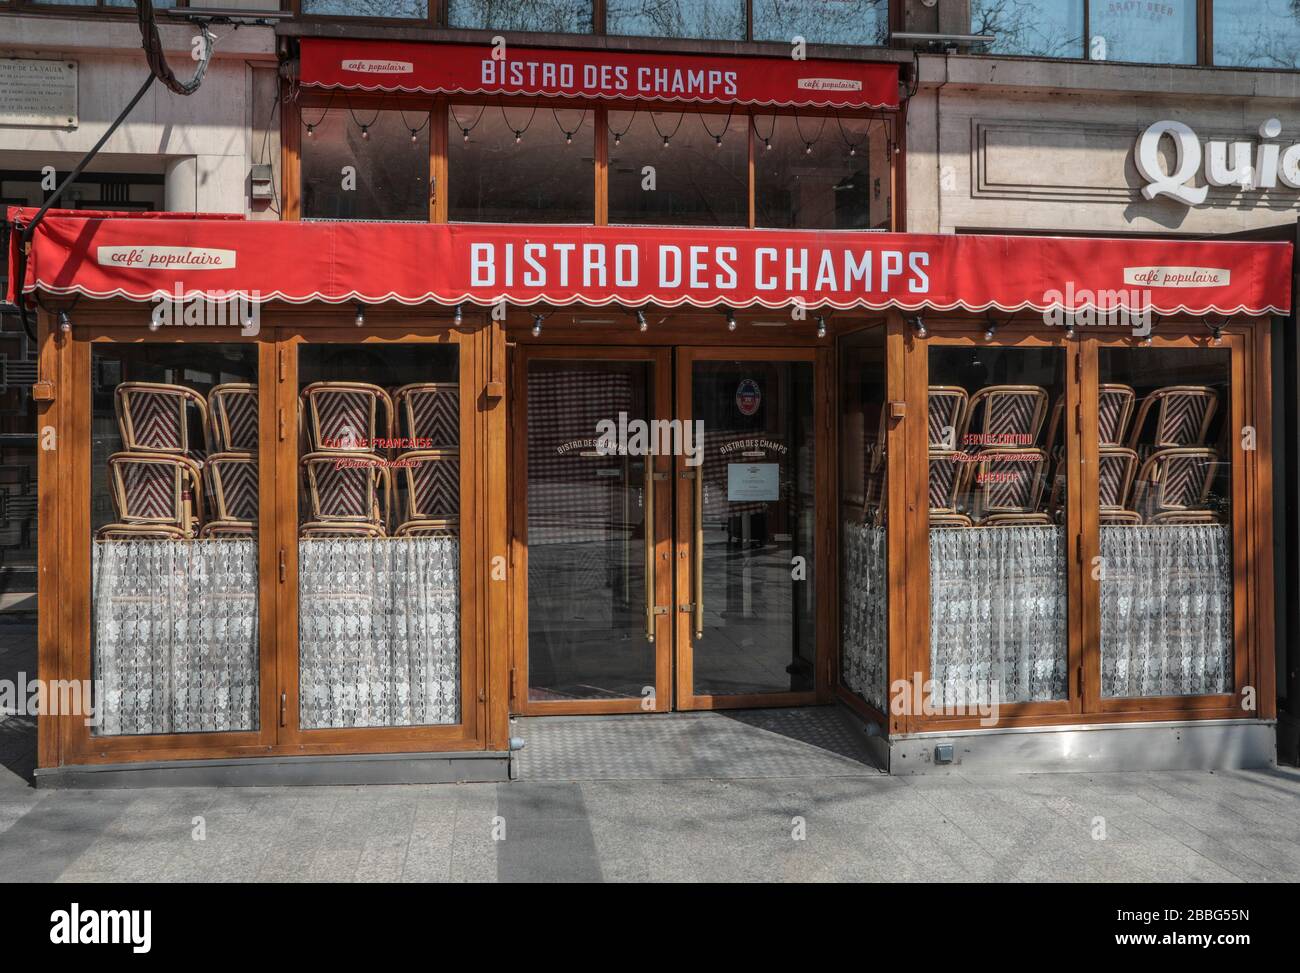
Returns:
(747, 500)
(594, 454)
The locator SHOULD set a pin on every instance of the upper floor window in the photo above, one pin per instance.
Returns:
(543, 16)
(391, 9)
(711, 19)
(1257, 33)
(1147, 31)
(365, 164)
(828, 22)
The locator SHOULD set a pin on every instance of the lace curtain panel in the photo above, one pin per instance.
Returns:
(379, 631)
(175, 636)
(1166, 610)
(865, 616)
(997, 615)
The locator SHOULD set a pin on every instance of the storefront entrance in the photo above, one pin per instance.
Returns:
(666, 503)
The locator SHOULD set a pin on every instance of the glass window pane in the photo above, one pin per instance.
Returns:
(543, 16)
(822, 21)
(586, 533)
(363, 165)
(721, 19)
(1257, 33)
(379, 535)
(520, 165)
(864, 555)
(174, 510)
(821, 173)
(1164, 474)
(997, 532)
(1162, 32)
(700, 178)
(757, 493)
(1037, 28)
(367, 8)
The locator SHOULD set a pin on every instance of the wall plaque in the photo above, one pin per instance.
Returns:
(37, 93)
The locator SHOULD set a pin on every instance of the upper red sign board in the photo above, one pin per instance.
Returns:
(482, 69)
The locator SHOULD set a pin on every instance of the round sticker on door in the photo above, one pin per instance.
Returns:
(748, 397)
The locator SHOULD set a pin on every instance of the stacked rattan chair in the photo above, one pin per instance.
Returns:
(429, 461)
(231, 471)
(156, 478)
(346, 483)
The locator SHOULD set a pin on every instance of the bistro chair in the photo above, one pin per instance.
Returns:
(946, 409)
(154, 495)
(1008, 484)
(233, 408)
(1116, 467)
(154, 418)
(1114, 410)
(346, 417)
(1010, 415)
(1174, 484)
(347, 495)
(431, 501)
(429, 411)
(948, 470)
(232, 494)
(1183, 414)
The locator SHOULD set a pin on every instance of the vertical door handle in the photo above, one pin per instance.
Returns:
(699, 551)
(649, 521)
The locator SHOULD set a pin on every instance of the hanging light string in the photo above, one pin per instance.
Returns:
(865, 140)
(808, 145)
(767, 139)
(415, 132)
(568, 135)
(465, 130)
(519, 132)
(717, 138)
(311, 126)
(618, 136)
(365, 126)
(666, 138)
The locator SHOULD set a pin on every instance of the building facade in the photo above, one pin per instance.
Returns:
(595, 359)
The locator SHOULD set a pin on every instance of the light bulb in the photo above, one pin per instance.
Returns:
(365, 131)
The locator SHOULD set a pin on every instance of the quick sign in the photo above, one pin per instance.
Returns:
(1244, 165)
(508, 69)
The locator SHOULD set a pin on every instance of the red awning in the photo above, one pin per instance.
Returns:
(413, 263)
(471, 69)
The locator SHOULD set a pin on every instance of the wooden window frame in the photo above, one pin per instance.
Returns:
(65, 649)
(1248, 342)
(439, 107)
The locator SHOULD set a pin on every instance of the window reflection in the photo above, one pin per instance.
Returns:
(364, 165)
(822, 21)
(1035, 28)
(721, 19)
(678, 167)
(1257, 33)
(521, 164)
(543, 16)
(1138, 30)
(821, 173)
(367, 8)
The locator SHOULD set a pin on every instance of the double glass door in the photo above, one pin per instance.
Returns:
(665, 504)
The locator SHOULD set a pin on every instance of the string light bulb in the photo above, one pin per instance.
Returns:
(519, 136)
(568, 138)
(360, 319)
(767, 145)
(717, 141)
(731, 320)
(414, 135)
(641, 324)
(311, 130)
(537, 325)
(807, 148)
(464, 135)
(665, 141)
(821, 326)
(618, 139)
(365, 131)
(65, 322)
(457, 317)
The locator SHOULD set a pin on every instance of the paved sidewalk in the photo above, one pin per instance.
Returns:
(799, 804)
